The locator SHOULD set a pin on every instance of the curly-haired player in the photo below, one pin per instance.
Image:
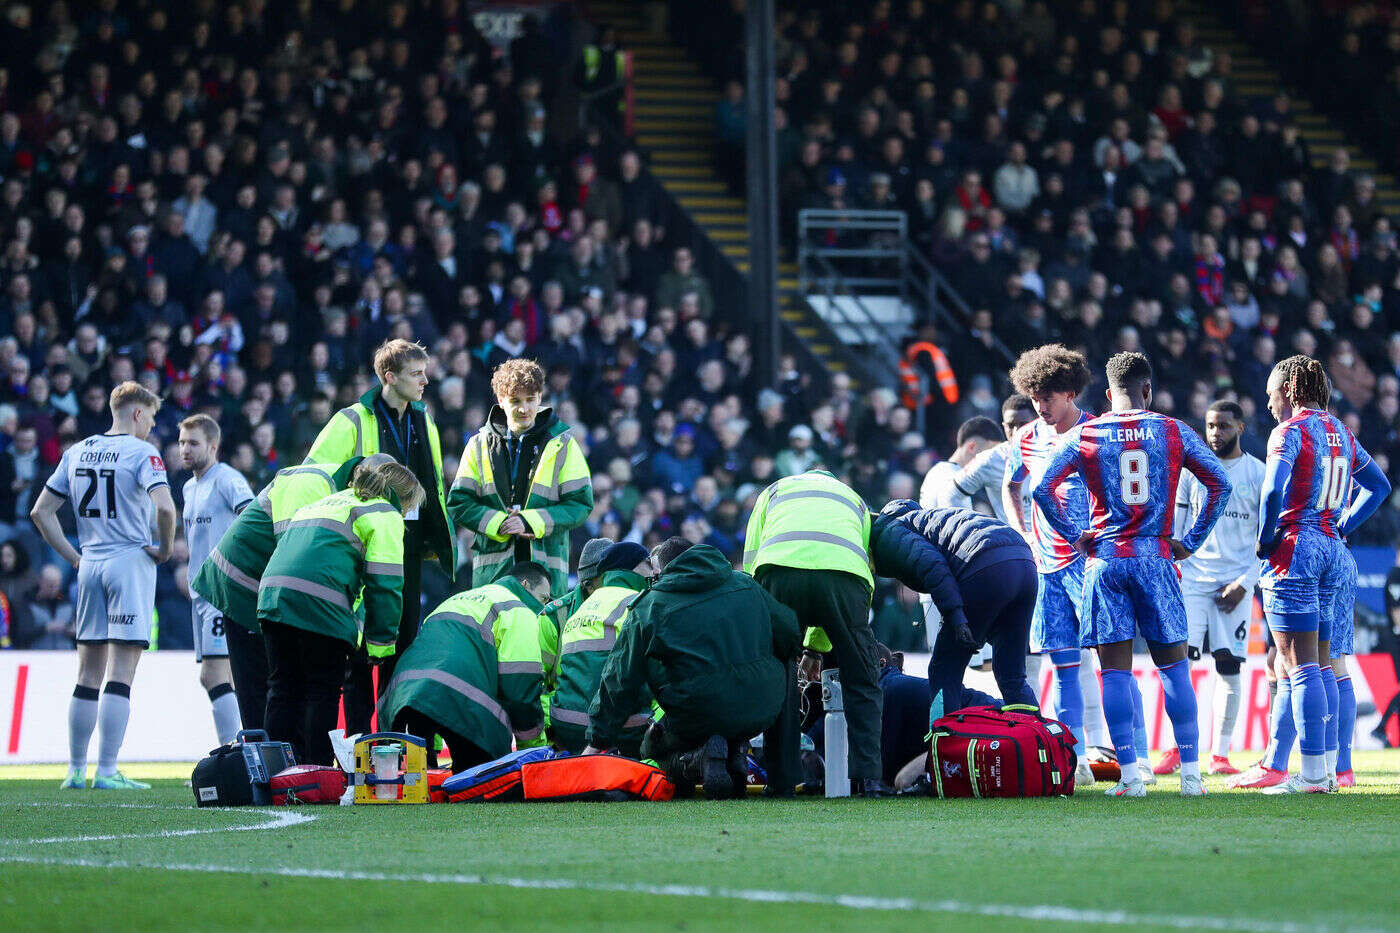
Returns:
(1052, 376)
(1311, 463)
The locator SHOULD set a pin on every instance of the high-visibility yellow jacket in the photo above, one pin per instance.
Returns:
(354, 432)
(333, 553)
(811, 521)
(229, 578)
(584, 644)
(475, 669)
(554, 496)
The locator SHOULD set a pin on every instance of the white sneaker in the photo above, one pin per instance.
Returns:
(1123, 789)
(1145, 772)
(1192, 786)
(1297, 784)
(1083, 774)
(1332, 785)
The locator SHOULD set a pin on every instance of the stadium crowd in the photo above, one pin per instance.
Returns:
(1090, 173)
(235, 203)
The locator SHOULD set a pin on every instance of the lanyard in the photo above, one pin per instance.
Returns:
(392, 423)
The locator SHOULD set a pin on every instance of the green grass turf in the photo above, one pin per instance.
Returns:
(1223, 862)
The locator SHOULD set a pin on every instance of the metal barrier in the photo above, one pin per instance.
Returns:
(855, 253)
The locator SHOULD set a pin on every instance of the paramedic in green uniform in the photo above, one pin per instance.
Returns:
(473, 675)
(717, 651)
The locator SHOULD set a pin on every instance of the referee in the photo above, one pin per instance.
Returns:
(391, 419)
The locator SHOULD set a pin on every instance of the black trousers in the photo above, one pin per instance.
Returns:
(360, 697)
(247, 660)
(839, 604)
(305, 672)
(998, 602)
(465, 753)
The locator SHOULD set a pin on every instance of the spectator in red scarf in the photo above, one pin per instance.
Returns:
(974, 200)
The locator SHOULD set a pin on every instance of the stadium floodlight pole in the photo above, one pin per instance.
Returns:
(761, 165)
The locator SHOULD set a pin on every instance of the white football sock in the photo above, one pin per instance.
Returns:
(113, 712)
(1227, 710)
(82, 719)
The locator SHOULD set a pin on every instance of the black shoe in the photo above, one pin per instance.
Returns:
(714, 776)
(874, 787)
(737, 765)
(1382, 736)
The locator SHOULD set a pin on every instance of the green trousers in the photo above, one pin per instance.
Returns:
(839, 604)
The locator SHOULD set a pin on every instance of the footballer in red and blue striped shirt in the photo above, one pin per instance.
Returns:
(1131, 460)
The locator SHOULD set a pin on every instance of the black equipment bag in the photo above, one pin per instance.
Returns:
(239, 774)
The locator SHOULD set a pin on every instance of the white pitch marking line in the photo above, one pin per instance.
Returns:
(1030, 912)
(280, 819)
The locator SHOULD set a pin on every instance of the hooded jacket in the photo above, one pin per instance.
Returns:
(933, 550)
(551, 486)
(711, 646)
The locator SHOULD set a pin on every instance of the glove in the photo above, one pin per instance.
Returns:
(962, 632)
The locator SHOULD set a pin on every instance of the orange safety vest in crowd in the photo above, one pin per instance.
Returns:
(942, 371)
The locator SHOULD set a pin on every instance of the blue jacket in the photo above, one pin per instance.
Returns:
(932, 550)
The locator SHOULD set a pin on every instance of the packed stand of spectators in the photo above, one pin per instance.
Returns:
(235, 203)
(1089, 173)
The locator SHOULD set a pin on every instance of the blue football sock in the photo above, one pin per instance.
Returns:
(1180, 701)
(1118, 712)
(1282, 731)
(1139, 723)
(1069, 699)
(1329, 684)
(1346, 721)
(1310, 713)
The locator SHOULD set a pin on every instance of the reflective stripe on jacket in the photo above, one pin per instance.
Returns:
(354, 432)
(559, 498)
(229, 578)
(331, 554)
(475, 669)
(584, 644)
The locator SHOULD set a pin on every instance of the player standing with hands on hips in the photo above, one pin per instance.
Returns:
(1130, 461)
(1217, 582)
(112, 480)
(213, 496)
(1311, 462)
(391, 418)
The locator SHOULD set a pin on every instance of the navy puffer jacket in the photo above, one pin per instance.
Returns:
(932, 550)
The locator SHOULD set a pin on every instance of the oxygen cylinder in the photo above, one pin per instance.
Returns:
(838, 781)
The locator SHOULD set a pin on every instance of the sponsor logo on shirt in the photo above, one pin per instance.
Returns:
(157, 463)
(124, 619)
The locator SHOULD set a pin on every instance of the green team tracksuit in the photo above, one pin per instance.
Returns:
(717, 652)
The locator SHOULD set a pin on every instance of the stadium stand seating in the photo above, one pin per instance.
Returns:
(235, 202)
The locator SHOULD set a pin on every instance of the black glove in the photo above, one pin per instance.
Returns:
(962, 632)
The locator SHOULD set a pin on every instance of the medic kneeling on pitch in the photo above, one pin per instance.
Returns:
(718, 653)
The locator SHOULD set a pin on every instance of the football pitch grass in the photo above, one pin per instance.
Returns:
(86, 860)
